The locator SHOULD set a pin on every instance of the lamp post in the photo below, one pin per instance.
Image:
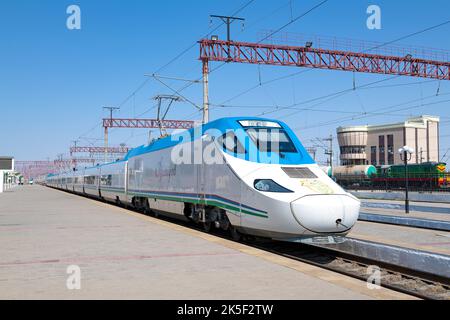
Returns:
(405, 154)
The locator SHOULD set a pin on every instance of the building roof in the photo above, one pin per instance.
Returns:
(416, 122)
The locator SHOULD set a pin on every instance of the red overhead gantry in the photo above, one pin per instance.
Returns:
(142, 124)
(282, 55)
(93, 150)
(34, 169)
(147, 123)
(307, 56)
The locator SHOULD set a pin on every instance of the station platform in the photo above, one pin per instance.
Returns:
(425, 210)
(385, 221)
(126, 255)
(407, 237)
(433, 216)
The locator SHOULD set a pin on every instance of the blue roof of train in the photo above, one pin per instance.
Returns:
(221, 126)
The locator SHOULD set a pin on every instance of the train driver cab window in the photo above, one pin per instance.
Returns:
(271, 140)
(230, 142)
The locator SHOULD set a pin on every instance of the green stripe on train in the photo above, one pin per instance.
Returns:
(198, 201)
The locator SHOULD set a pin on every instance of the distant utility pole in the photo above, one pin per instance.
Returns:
(75, 142)
(329, 151)
(111, 110)
(161, 116)
(312, 151)
(59, 157)
(421, 155)
(228, 20)
(205, 72)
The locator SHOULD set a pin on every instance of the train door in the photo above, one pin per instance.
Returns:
(83, 181)
(139, 173)
(73, 173)
(130, 180)
(99, 175)
(125, 181)
(200, 171)
(227, 184)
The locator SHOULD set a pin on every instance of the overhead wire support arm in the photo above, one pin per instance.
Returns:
(171, 99)
(175, 92)
(228, 20)
(172, 78)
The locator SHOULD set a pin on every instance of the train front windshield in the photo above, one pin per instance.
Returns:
(271, 140)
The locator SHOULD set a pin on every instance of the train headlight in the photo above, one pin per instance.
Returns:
(268, 185)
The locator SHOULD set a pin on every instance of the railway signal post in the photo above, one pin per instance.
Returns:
(405, 154)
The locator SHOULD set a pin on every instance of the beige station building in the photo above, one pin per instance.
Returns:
(378, 144)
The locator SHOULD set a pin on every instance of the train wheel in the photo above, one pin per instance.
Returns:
(235, 235)
(207, 226)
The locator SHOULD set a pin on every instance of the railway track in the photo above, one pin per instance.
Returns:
(417, 283)
(409, 281)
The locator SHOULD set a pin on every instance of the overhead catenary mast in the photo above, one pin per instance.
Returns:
(228, 20)
(329, 151)
(111, 110)
(162, 115)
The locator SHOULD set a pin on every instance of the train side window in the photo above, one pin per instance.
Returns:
(230, 142)
(89, 180)
(106, 180)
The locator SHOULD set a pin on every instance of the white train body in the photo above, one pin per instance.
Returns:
(290, 199)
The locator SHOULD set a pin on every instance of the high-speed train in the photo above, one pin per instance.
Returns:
(251, 176)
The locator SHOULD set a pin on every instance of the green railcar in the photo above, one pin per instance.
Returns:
(428, 174)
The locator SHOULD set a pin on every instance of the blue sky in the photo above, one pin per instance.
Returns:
(54, 81)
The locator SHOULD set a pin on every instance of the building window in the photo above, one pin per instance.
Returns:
(390, 148)
(353, 149)
(382, 151)
(373, 155)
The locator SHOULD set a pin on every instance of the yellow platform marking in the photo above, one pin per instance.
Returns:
(307, 269)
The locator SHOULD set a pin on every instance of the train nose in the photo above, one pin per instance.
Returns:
(326, 213)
